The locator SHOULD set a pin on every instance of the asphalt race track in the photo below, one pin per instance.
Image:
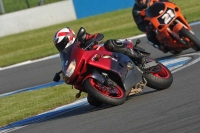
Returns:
(175, 110)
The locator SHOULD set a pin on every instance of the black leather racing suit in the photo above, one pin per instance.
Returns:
(120, 47)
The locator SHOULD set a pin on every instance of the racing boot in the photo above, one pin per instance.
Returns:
(138, 58)
(119, 46)
(158, 46)
(163, 48)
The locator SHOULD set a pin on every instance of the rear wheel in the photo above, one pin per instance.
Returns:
(112, 94)
(190, 38)
(159, 79)
(175, 52)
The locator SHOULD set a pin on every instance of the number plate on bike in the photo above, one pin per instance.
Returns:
(167, 17)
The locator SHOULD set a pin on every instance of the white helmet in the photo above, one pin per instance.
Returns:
(64, 38)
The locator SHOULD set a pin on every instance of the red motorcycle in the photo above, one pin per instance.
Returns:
(171, 28)
(110, 77)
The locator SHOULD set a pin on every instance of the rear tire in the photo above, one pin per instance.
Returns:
(175, 52)
(159, 80)
(105, 94)
(195, 43)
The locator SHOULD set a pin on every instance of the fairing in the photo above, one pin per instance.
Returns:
(116, 65)
(155, 9)
(121, 67)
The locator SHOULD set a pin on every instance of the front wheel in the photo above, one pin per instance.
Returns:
(93, 101)
(159, 80)
(190, 38)
(111, 95)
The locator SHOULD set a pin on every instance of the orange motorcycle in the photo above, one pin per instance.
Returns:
(171, 28)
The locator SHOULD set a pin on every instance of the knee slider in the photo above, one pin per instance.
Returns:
(108, 45)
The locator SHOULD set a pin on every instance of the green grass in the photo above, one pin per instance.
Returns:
(19, 106)
(38, 43)
(16, 5)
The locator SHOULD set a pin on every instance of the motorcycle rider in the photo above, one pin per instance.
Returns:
(66, 36)
(143, 25)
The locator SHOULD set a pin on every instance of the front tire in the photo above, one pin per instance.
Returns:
(159, 80)
(93, 101)
(195, 43)
(105, 94)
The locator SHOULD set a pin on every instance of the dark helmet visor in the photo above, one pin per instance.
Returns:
(61, 45)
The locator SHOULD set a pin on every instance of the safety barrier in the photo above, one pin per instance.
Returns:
(56, 13)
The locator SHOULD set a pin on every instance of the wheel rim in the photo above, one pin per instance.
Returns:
(164, 73)
(114, 92)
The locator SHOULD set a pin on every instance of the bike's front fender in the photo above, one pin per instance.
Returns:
(95, 75)
(177, 28)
